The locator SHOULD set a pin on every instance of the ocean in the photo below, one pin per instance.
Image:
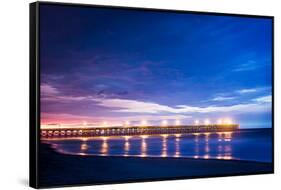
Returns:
(245, 144)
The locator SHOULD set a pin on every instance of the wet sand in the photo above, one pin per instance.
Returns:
(58, 169)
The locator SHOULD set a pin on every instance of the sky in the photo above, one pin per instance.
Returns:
(102, 66)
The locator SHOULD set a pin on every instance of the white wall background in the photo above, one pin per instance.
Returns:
(14, 59)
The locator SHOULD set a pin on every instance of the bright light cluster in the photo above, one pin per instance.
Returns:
(224, 121)
(177, 122)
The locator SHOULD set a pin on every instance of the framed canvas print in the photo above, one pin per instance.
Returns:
(121, 94)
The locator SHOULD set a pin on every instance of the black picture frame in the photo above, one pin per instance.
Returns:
(34, 88)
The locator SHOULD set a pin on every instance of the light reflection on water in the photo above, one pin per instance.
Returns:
(204, 145)
(250, 144)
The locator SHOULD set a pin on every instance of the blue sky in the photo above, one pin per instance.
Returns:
(116, 65)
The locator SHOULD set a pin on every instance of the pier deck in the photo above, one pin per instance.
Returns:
(134, 130)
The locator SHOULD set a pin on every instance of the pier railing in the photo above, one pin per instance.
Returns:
(135, 130)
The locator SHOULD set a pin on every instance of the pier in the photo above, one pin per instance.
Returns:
(134, 130)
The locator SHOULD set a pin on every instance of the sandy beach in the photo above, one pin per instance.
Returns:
(58, 169)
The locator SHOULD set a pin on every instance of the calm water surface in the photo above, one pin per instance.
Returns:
(254, 145)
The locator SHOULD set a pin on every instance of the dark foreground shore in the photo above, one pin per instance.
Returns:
(58, 169)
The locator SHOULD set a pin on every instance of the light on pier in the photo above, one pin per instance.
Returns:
(177, 122)
(207, 122)
(105, 124)
(227, 121)
(164, 122)
(127, 123)
(85, 123)
(143, 123)
(219, 121)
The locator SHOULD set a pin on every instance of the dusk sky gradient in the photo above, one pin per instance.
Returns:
(102, 64)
